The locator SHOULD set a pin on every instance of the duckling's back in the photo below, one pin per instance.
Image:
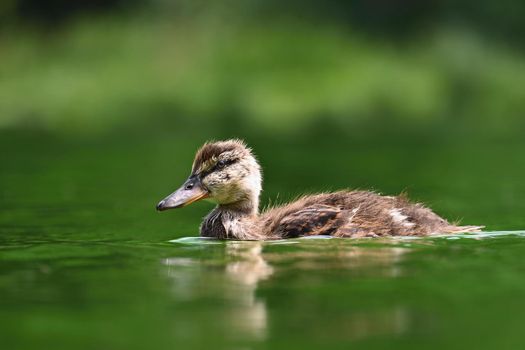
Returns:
(355, 214)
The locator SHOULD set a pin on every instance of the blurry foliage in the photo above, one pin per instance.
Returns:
(100, 73)
(53, 11)
(503, 18)
(286, 65)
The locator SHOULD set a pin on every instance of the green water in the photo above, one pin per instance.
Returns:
(87, 263)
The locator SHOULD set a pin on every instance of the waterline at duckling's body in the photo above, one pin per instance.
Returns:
(349, 214)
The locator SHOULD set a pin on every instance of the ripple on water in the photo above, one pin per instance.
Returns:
(474, 235)
(197, 241)
(459, 236)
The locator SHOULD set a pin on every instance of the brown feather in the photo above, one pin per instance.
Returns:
(355, 214)
(212, 150)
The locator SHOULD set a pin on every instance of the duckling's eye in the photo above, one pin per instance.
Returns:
(221, 164)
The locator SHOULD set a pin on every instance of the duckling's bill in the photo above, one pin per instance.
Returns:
(191, 191)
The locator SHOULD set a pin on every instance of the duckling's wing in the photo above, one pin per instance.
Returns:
(313, 220)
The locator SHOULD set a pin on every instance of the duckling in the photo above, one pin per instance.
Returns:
(228, 174)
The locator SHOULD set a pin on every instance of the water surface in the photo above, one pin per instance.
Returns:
(86, 262)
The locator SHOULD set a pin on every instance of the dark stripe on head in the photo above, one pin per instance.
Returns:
(213, 150)
(218, 166)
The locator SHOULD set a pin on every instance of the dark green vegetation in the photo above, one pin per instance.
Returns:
(100, 117)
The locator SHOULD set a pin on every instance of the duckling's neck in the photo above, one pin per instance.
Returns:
(246, 207)
(233, 220)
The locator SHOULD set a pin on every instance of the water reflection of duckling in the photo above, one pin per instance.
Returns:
(250, 316)
(227, 173)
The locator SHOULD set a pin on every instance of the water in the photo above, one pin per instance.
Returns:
(86, 262)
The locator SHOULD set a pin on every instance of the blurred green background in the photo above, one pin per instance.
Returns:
(423, 96)
(94, 66)
(103, 104)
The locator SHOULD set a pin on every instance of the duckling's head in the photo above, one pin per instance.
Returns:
(225, 172)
